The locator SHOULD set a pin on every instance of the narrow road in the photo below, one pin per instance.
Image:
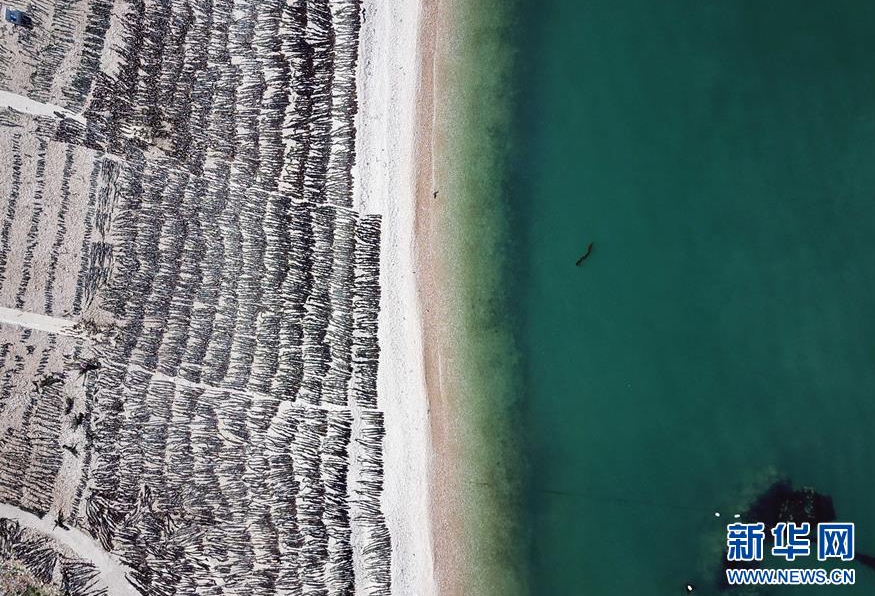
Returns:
(26, 105)
(31, 320)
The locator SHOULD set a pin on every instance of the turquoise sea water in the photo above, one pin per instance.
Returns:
(721, 156)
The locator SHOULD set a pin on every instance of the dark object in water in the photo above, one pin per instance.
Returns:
(867, 560)
(434, 194)
(69, 406)
(780, 503)
(586, 254)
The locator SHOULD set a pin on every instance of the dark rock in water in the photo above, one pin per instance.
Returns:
(781, 503)
(864, 559)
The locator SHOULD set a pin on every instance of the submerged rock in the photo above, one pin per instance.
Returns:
(781, 503)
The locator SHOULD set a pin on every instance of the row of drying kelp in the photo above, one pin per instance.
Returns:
(97, 251)
(61, 53)
(7, 381)
(38, 167)
(366, 306)
(60, 222)
(368, 515)
(335, 463)
(87, 365)
(339, 330)
(48, 563)
(33, 200)
(31, 449)
(344, 106)
(317, 74)
(11, 200)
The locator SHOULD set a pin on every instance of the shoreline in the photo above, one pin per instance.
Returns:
(445, 515)
(471, 362)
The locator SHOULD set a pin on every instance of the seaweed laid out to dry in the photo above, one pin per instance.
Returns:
(194, 386)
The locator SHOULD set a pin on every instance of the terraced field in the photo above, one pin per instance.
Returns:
(188, 347)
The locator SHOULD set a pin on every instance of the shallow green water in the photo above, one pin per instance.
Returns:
(721, 155)
(473, 180)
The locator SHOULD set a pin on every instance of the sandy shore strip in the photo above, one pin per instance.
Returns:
(445, 497)
(465, 63)
(384, 176)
